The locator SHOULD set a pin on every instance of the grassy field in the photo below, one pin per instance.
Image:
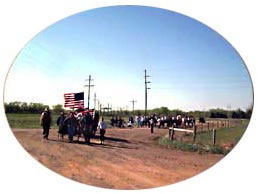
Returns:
(223, 136)
(226, 139)
(31, 121)
(27, 121)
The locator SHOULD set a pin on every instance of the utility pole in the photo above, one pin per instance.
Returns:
(98, 105)
(89, 85)
(146, 88)
(133, 101)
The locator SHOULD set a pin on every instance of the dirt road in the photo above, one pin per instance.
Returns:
(129, 159)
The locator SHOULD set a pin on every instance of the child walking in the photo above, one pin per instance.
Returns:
(102, 130)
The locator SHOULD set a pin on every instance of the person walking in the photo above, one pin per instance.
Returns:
(87, 127)
(152, 122)
(71, 124)
(60, 123)
(45, 122)
(95, 123)
(130, 122)
(102, 130)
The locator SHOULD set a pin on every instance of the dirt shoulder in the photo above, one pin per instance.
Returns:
(129, 159)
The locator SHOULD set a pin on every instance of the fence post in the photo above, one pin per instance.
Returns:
(194, 133)
(214, 136)
(172, 134)
(217, 124)
(208, 126)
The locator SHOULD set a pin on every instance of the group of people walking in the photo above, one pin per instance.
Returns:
(117, 122)
(86, 124)
(141, 121)
(81, 124)
(161, 121)
(167, 121)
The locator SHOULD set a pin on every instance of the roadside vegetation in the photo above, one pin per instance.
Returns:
(27, 120)
(226, 139)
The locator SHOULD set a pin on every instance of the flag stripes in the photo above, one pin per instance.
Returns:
(74, 100)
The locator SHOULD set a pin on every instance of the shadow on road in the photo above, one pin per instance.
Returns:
(112, 139)
(105, 145)
(109, 146)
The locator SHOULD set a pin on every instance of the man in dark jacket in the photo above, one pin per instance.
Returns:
(45, 122)
(95, 123)
(71, 124)
(152, 121)
(62, 129)
(87, 127)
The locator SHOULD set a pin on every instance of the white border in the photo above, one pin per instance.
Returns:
(21, 20)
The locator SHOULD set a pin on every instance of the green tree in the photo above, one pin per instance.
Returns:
(36, 107)
(24, 107)
(58, 108)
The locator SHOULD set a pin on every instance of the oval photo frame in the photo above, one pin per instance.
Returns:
(150, 113)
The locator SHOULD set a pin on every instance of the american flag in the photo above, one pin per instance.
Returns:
(74, 100)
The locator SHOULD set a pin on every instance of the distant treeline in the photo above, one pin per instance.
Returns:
(23, 107)
(212, 113)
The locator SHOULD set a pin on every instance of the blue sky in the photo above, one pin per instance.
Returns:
(191, 66)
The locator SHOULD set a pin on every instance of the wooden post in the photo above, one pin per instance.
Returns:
(214, 136)
(169, 133)
(217, 124)
(208, 126)
(194, 133)
(172, 134)
(152, 126)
